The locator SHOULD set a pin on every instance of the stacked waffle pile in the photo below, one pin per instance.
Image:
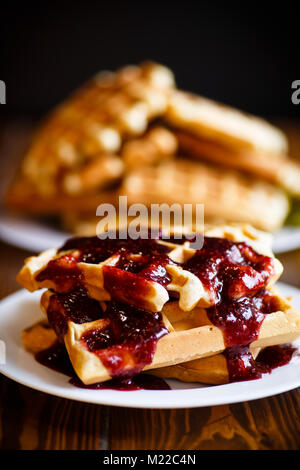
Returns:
(134, 133)
(124, 306)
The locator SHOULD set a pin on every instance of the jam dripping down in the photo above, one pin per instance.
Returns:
(56, 358)
(242, 366)
(240, 320)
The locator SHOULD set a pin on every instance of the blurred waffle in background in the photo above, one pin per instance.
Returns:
(132, 132)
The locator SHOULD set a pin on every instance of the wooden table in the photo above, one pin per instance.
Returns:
(33, 420)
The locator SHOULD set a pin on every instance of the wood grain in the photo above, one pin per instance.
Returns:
(267, 424)
(33, 420)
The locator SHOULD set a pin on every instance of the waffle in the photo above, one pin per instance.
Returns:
(219, 123)
(38, 337)
(96, 173)
(157, 145)
(191, 336)
(210, 370)
(84, 134)
(282, 171)
(110, 278)
(22, 196)
(227, 196)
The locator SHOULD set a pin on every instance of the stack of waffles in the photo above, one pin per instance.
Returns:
(133, 133)
(121, 307)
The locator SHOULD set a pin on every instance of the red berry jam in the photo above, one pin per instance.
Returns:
(128, 342)
(242, 366)
(64, 272)
(56, 358)
(94, 250)
(230, 270)
(74, 306)
(240, 320)
(138, 382)
(136, 261)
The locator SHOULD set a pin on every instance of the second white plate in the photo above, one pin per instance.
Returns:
(36, 236)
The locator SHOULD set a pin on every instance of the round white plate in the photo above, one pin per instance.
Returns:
(37, 236)
(21, 310)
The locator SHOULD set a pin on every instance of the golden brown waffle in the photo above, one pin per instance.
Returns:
(157, 145)
(223, 124)
(22, 196)
(208, 370)
(83, 134)
(99, 171)
(38, 337)
(212, 370)
(109, 280)
(191, 336)
(227, 196)
(282, 171)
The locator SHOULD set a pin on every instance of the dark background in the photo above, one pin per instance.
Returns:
(243, 55)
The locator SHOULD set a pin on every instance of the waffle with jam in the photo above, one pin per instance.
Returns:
(121, 306)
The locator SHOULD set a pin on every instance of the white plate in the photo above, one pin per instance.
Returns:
(22, 309)
(36, 236)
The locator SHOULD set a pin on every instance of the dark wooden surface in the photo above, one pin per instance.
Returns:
(33, 420)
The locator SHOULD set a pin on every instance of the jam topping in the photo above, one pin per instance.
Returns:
(227, 269)
(242, 366)
(64, 272)
(230, 270)
(240, 320)
(271, 303)
(236, 276)
(94, 250)
(125, 281)
(128, 341)
(75, 306)
(144, 258)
